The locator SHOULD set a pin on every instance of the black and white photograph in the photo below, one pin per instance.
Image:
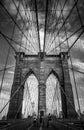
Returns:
(41, 64)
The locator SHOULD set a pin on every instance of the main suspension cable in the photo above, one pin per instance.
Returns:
(71, 65)
(16, 23)
(68, 37)
(65, 20)
(15, 42)
(8, 53)
(58, 20)
(14, 93)
(45, 29)
(36, 10)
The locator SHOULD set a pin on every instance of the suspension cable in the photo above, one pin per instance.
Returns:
(56, 23)
(67, 98)
(78, 13)
(76, 70)
(8, 41)
(48, 46)
(14, 93)
(15, 42)
(21, 17)
(7, 68)
(72, 66)
(19, 12)
(27, 21)
(8, 53)
(37, 24)
(65, 20)
(16, 24)
(45, 29)
(24, 2)
(68, 38)
(4, 69)
(75, 41)
(58, 20)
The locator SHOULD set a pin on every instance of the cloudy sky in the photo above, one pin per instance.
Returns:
(18, 22)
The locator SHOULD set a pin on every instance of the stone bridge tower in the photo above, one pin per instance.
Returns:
(41, 66)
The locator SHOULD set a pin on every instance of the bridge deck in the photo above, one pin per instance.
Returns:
(54, 124)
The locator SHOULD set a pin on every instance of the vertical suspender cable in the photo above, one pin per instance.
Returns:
(72, 67)
(7, 56)
(45, 29)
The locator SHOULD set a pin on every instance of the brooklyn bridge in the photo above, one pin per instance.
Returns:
(41, 65)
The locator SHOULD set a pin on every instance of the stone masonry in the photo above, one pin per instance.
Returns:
(41, 66)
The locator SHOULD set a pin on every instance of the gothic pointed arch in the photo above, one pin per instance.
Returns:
(30, 96)
(53, 95)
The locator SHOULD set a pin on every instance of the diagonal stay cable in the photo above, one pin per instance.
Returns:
(75, 41)
(45, 29)
(8, 41)
(24, 26)
(16, 24)
(14, 93)
(26, 11)
(79, 14)
(7, 55)
(56, 20)
(58, 30)
(9, 49)
(20, 16)
(4, 69)
(76, 70)
(72, 67)
(65, 20)
(15, 42)
(27, 21)
(58, 17)
(80, 33)
(58, 33)
(19, 12)
(12, 35)
(81, 25)
(11, 39)
(7, 68)
(67, 98)
(79, 29)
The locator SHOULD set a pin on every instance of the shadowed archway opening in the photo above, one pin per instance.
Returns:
(30, 97)
(53, 96)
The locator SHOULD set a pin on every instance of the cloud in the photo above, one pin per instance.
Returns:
(78, 64)
(10, 72)
(73, 23)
